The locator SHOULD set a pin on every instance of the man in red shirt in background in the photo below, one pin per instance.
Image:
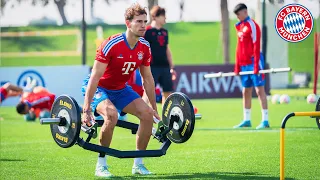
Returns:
(38, 100)
(248, 58)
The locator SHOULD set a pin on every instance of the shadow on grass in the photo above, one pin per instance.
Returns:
(209, 175)
(13, 160)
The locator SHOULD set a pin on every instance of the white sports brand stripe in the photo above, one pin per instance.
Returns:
(41, 100)
(143, 41)
(253, 30)
(111, 43)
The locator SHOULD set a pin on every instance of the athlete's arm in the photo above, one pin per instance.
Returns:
(169, 56)
(97, 72)
(148, 84)
(170, 61)
(148, 81)
(256, 34)
(103, 56)
(236, 63)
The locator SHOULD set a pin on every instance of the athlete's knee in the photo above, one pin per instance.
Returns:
(260, 91)
(109, 114)
(110, 122)
(247, 91)
(146, 114)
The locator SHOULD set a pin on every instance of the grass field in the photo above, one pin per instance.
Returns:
(191, 43)
(215, 151)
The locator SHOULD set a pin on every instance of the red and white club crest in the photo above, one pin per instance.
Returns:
(294, 22)
(140, 55)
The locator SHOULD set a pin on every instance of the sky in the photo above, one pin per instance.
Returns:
(15, 14)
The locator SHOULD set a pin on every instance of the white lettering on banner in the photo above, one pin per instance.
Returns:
(236, 82)
(194, 82)
(225, 84)
(217, 82)
(203, 83)
(183, 83)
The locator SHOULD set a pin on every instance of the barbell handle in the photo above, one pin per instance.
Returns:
(154, 130)
(156, 120)
(50, 120)
(264, 71)
(86, 128)
(198, 116)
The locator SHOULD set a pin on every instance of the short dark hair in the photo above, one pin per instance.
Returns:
(239, 7)
(157, 11)
(21, 107)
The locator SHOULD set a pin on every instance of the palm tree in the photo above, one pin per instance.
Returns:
(151, 3)
(225, 30)
(61, 4)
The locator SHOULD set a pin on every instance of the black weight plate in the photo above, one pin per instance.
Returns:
(66, 106)
(318, 109)
(179, 103)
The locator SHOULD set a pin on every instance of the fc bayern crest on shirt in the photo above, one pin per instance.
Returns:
(294, 23)
(140, 55)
